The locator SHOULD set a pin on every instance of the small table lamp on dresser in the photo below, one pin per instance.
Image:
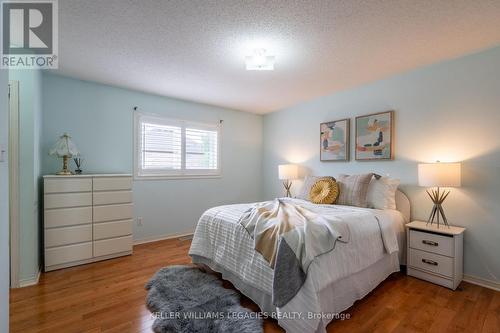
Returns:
(66, 149)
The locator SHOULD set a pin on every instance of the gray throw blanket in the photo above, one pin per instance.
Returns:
(289, 236)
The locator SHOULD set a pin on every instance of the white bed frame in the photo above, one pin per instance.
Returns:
(403, 205)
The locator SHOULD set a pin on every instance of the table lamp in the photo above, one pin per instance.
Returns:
(66, 149)
(439, 175)
(287, 172)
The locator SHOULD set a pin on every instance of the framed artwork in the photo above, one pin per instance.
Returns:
(374, 136)
(334, 140)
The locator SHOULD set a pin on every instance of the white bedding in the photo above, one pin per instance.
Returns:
(373, 234)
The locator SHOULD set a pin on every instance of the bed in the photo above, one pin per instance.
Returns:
(334, 280)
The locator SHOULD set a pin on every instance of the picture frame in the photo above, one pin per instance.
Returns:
(374, 136)
(335, 140)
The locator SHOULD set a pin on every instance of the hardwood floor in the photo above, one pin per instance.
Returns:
(109, 297)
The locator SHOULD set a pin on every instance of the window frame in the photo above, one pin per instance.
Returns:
(182, 173)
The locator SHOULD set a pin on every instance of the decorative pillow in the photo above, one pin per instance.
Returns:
(382, 193)
(324, 191)
(353, 189)
(309, 181)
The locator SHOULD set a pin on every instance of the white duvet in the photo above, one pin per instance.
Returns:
(373, 235)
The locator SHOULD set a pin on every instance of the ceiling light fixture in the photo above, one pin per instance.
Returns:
(259, 61)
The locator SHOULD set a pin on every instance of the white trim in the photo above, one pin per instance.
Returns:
(141, 178)
(14, 183)
(30, 281)
(490, 284)
(183, 173)
(152, 239)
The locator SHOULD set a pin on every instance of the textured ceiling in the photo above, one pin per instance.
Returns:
(195, 49)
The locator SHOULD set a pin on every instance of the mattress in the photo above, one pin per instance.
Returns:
(223, 244)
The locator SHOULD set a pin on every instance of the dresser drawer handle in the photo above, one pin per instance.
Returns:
(430, 262)
(431, 243)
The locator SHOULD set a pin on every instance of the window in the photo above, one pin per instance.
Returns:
(175, 148)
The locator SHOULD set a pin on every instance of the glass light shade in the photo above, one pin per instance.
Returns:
(64, 147)
(288, 171)
(439, 174)
(259, 61)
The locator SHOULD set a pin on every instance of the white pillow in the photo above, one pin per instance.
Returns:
(382, 193)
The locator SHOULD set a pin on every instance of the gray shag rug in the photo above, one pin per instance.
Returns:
(186, 300)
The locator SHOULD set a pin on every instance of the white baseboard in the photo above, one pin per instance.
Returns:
(482, 282)
(31, 281)
(162, 237)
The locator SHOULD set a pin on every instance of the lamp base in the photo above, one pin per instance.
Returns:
(65, 171)
(437, 212)
(287, 184)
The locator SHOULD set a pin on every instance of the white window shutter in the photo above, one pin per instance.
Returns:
(161, 147)
(201, 149)
(176, 148)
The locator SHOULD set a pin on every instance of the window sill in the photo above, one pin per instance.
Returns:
(166, 177)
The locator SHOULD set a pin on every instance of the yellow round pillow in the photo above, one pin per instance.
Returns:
(324, 191)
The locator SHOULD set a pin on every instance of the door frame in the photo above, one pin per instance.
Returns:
(14, 182)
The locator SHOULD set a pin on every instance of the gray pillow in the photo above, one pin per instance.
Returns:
(353, 189)
(309, 181)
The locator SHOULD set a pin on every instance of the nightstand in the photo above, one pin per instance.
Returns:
(435, 254)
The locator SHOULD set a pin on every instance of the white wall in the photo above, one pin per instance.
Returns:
(4, 206)
(448, 111)
(100, 120)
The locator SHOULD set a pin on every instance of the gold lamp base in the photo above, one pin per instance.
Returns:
(287, 184)
(65, 171)
(437, 212)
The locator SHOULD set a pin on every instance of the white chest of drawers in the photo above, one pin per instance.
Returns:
(435, 254)
(87, 218)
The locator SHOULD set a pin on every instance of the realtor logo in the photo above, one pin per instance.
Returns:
(29, 34)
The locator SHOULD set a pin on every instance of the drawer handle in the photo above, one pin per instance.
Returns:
(431, 243)
(430, 262)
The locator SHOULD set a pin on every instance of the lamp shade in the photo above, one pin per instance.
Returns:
(288, 171)
(64, 147)
(439, 174)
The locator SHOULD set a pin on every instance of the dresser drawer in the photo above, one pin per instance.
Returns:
(69, 253)
(112, 183)
(112, 229)
(431, 262)
(112, 212)
(111, 246)
(67, 216)
(113, 197)
(434, 243)
(68, 235)
(64, 185)
(67, 200)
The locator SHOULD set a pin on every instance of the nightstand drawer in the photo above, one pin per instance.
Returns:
(440, 244)
(431, 262)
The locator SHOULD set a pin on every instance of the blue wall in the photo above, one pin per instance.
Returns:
(448, 111)
(100, 120)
